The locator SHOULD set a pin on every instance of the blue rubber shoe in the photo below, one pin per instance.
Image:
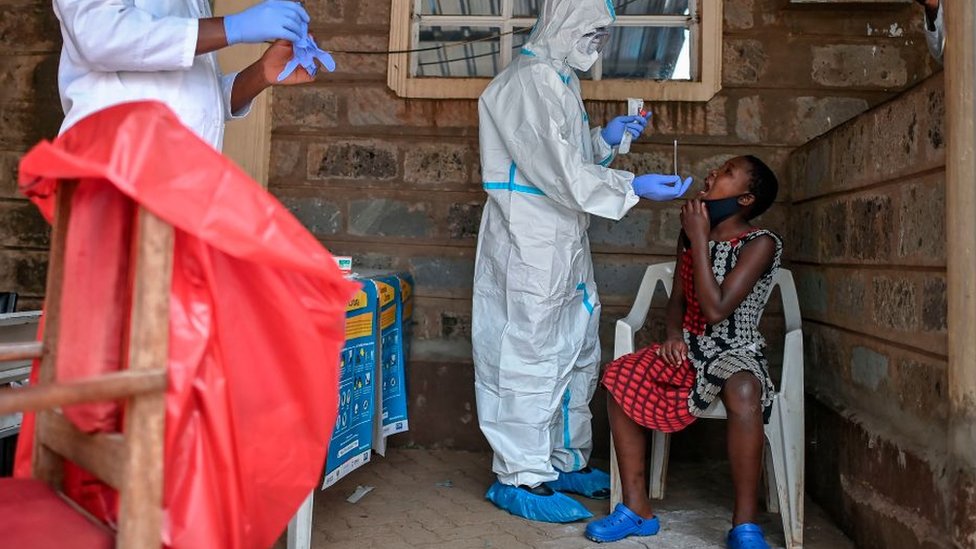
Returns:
(747, 536)
(620, 524)
(588, 482)
(541, 505)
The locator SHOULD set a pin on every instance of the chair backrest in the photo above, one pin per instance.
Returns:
(659, 274)
(662, 274)
(791, 379)
(131, 461)
(791, 303)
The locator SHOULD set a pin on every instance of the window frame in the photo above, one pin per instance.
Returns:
(707, 54)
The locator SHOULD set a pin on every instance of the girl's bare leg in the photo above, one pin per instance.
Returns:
(741, 395)
(630, 443)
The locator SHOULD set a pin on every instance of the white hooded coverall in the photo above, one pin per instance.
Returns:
(536, 309)
(116, 51)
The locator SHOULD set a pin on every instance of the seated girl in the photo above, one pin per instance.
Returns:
(713, 350)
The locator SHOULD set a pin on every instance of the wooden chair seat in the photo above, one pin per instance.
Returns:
(34, 516)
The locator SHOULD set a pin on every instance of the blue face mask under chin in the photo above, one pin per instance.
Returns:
(722, 209)
(718, 211)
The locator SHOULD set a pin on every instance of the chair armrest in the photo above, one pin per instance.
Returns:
(791, 303)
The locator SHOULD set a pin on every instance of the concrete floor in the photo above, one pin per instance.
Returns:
(435, 499)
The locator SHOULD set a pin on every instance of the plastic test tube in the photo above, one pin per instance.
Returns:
(634, 107)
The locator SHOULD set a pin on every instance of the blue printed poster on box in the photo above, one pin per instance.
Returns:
(353, 436)
(394, 391)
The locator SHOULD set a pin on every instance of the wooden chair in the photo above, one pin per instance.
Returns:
(33, 512)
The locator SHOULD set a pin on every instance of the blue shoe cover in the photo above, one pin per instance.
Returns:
(553, 508)
(747, 536)
(620, 524)
(588, 482)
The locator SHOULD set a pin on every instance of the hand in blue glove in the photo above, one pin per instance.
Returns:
(660, 187)
(270, 20)
(614, 132)
(306, 53)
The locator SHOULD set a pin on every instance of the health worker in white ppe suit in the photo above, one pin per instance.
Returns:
(536, 308)
(116, 51)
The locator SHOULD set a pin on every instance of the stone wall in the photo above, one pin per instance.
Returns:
(395, 183)
(29, 111)
(868, 248)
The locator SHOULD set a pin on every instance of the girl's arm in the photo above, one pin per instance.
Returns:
(719, 301)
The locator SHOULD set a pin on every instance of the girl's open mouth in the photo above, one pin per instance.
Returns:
(709, 181)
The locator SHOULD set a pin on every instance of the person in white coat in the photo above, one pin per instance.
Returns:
(934, 27)
(117, 51)
(536, 308)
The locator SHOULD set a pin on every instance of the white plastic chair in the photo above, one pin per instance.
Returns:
(784, 451)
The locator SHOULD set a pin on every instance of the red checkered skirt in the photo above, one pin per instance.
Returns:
(651, 391)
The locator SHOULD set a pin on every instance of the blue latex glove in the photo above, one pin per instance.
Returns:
(306, 52)
(614, 132)
(268, 21)
(660, 187)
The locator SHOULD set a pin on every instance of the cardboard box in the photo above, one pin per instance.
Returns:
(378, 328)
(406, 292)
(392, 396)
(352, 440)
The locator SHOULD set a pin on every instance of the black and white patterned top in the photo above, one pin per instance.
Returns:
(718, 351)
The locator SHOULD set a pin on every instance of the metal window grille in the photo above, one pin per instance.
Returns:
(652, 39)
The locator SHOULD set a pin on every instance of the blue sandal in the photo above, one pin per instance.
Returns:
(620, 524)
(747, 536)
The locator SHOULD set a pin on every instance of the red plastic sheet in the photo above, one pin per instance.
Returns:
(256, 322)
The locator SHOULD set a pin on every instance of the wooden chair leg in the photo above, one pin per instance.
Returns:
(140, 505)
(47, 465)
